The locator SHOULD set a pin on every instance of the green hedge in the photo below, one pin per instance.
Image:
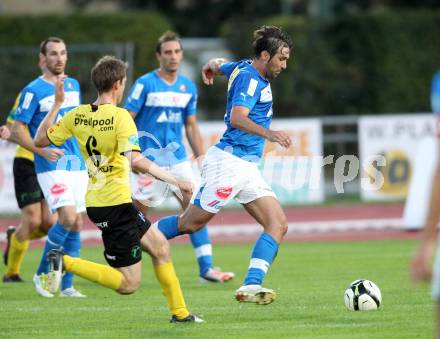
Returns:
(375, 63)
(142, 29)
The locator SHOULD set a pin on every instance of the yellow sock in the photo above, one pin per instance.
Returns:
(17, 250)
(102, 274)
(37, 234)
(166, 275)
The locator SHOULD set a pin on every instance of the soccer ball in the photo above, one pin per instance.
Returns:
(362, 295)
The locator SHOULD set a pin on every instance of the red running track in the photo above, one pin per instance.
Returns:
(238, 219)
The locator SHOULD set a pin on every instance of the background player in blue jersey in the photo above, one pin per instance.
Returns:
(230, 167)
(162, 102)
(63, 182)
(421, 264)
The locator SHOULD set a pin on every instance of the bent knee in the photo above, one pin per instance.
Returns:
(162, 252)
(283, 226)
(191, 228)
(68, 221)
(129, 287)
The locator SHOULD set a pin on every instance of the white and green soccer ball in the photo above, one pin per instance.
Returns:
(362, 295)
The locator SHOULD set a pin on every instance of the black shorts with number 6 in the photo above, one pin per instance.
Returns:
(122, 228)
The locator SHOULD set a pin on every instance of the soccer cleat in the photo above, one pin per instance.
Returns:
(71, 293)
(9, 232)
(40, 283)
(13, 278)
(55, 259)
(255, 294)
(216, 275)
(192, 318)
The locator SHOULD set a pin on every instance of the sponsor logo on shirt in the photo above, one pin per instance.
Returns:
(58, 189)
(71, 99)
(168, 99)
(171, 117)
(223, 192)
(93, 122)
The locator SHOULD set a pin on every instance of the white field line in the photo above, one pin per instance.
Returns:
(229, 230)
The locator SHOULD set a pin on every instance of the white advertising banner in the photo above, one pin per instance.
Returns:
(388, 147)
(295, 174)
(8, 203)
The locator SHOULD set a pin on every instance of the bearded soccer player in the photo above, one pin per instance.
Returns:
(230, 169)
(108, 140)
(63, 182)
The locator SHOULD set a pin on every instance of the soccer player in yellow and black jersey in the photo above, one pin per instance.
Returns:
(108, 141)
(35, 217)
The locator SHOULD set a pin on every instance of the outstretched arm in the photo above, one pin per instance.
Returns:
(143, 165)
(20, 135)
(421, 264)
(212, 69)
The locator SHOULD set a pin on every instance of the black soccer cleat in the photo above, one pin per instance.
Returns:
(13, 278)
(9, 232)
(192, 318)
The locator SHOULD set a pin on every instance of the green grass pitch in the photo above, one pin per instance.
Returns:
(310, 279)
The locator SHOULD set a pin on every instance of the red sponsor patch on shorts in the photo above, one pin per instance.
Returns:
(58, 189)
(144, 180)
(223, 192)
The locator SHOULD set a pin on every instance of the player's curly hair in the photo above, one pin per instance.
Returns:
(107, 71)
(270, 39)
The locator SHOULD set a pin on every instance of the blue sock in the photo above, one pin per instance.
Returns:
(168, 226)
(263, 254)
(202, 246)
(72, 247)
(55, 240)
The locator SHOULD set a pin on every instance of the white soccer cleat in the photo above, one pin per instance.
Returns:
(255, 294)
(216, 275)
(39, 283)
(55, 259)
(71, 293)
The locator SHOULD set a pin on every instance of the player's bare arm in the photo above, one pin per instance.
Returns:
(421, 264)
(240, 120)
(194, 137)
(41, 138)
(212, 69)
(20, 135)
(143, 165)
